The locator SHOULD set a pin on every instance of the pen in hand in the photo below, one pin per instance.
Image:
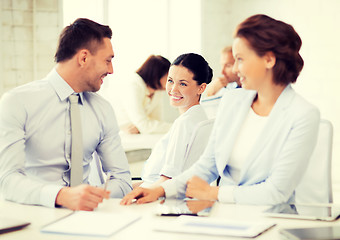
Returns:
(108, 176)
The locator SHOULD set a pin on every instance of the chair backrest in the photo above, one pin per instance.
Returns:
(198, 142)
(210, 105)
(316, 184)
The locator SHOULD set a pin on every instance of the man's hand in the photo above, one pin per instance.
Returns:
(131, 129)
(200, 189)
(196, 206)
(82, 197)
(216, 85)
(143, 195)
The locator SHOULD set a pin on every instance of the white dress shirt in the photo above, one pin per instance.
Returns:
(35, 141)
(167, 157)
(135, 107)
(277, 160)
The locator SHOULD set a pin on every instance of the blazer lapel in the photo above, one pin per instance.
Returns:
(226, 140)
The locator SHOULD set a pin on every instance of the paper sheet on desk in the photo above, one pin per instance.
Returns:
(215, 226)
(90, 223)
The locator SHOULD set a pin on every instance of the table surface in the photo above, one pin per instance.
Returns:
(142, 229)
(139, 141)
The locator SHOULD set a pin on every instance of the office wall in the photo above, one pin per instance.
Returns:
(215, 34)
(29, 31)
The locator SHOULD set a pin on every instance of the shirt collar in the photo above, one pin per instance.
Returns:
(232, 85)
(61, 87)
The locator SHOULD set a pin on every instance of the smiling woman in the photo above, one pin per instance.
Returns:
(264, 133)
(183, 93)
(188, 77)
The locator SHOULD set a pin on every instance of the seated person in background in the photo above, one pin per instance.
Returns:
(228, 80)
(36, 133)
(264, 132)
(188, 76)
(139, 110)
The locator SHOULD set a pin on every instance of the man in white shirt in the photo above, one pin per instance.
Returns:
(35, 128)
(228, 80)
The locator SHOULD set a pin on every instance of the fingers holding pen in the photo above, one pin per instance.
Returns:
(132, 196)
(143, 195)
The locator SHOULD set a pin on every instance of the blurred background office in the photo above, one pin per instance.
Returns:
(29, 32)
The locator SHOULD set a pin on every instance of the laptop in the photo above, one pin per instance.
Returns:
(311, 233)
(11, 224)
(305, 211)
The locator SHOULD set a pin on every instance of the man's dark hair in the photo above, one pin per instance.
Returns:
(82, 33)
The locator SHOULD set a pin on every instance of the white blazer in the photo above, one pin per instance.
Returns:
(276, 162)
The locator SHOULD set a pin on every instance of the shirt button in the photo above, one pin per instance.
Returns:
(69, 132)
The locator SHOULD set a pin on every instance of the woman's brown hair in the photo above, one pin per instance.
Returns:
(153, 69)
(265, 34)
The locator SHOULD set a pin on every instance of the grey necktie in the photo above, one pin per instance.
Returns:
(76, 142)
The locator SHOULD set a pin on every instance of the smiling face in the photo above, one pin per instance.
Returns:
(182, 89)
(253, 70)
(98, 66)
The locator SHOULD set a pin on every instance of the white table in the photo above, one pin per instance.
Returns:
(139, 141)
(142, 229)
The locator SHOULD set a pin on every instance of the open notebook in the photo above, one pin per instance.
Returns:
(84, 223)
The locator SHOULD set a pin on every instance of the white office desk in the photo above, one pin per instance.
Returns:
(142, 229)
(138, 148)
(139, 141)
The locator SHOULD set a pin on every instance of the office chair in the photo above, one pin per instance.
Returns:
(316, 184)
(198, 142)
(210, 105)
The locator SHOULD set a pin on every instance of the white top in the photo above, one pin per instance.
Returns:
(167, 157)
(134, 106)
(251, 129)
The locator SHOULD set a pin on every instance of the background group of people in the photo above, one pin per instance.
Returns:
(262, 139)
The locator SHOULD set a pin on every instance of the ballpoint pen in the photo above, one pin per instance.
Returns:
(108, 176)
